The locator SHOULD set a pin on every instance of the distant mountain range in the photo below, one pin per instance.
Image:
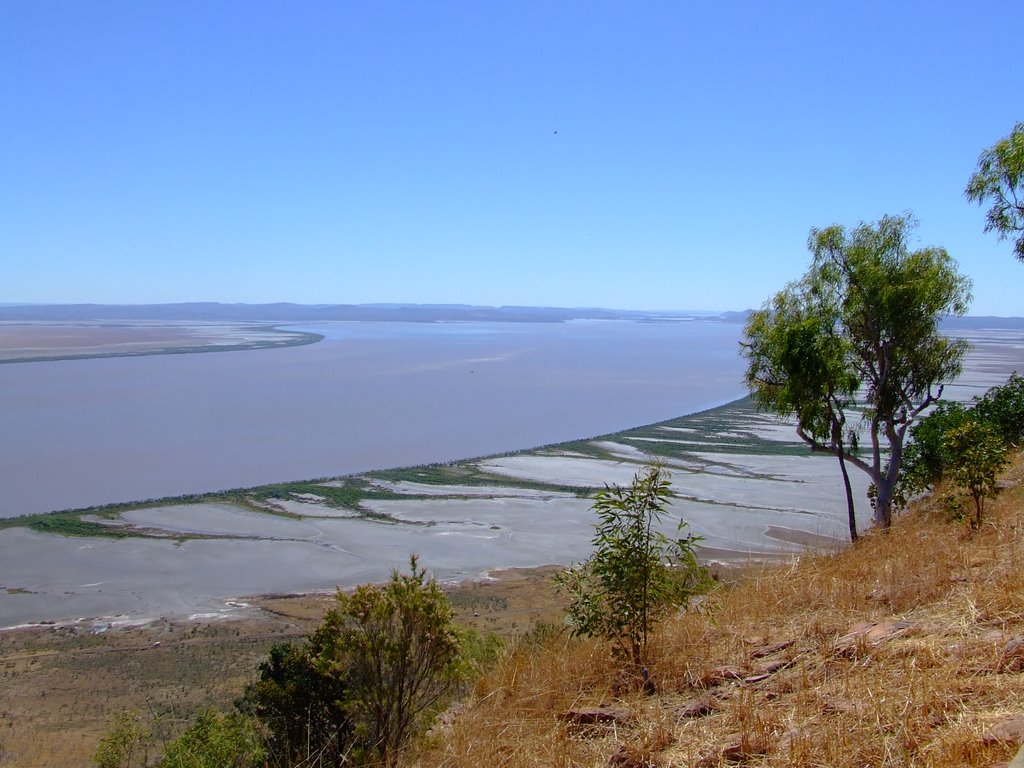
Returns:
(309, 313)
(414, 313)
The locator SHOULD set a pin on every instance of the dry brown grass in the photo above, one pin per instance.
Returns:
(61, 688)
(789, 681)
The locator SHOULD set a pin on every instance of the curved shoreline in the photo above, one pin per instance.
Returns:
(285, 338)
(228, 495)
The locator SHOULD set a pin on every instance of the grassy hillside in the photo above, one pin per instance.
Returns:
(897, 652)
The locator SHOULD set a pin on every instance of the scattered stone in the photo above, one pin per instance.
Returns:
(872, 632)
(840, 706)
(1012, 657)
(621, 757)
(772, 667)
(741, 750)
(603, 715)
(791, 740)
(699, 707)
(649, 686)
(720, 675)
(1009, 730)
(995, 636)
(768, 650)
(624, 758)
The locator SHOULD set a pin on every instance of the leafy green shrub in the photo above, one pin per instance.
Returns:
(399, 653)
(925, 458)
(299, 704)
(977, 455)
(1003, 408)
(636, 573)
(479, 651)
(126, 745)
(217, 741)
(996, 420)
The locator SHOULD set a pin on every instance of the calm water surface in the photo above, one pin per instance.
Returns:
(371, 395)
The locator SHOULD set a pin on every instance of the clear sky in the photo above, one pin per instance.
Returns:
(636, 155)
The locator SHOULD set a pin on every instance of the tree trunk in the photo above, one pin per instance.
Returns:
(850, 513)
(885, 483)
(837, 444)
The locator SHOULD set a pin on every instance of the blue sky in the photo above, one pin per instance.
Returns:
(639, 155)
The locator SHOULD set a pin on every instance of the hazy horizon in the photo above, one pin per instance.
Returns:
(574, 155)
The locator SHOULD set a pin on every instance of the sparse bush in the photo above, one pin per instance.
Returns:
(925, 459)
(300, 705)
(216, 741)
(126, 745)
(636, 573)
(399, 653)
(1003, 408)
(480, 651)
(977, 455)
(996, 420)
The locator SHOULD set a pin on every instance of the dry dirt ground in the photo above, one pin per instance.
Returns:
(61, 687)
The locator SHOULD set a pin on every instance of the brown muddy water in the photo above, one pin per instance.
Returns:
(377, 395)
(370, 396)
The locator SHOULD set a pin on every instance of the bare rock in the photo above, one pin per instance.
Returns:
(1012, 657)
(625, 758)
(699, 707)
(771, 667)
(871, 632)
(742, 750)
(720, 675)
(621, 757)
(839, 706)
(768, 650)
(1010, 730)
(605, 714)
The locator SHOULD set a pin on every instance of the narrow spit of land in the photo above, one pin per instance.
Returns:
(741, 481)
(48, 342)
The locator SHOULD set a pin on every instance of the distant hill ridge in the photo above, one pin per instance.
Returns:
(287, 312)
(282, 312)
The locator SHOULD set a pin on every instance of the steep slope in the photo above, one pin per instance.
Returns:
(907, 649)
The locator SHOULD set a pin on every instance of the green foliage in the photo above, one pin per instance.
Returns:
(1003, 409)
(996, 420)
(977, 456)
(299, 705)
(1000, 180)
(216, 741)
(480, 651)
(636, 573)
(797, 364)
(926, 457)
(863, 319)
(126, 745)
(399, 653)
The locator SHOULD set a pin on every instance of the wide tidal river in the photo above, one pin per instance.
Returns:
(371, 395)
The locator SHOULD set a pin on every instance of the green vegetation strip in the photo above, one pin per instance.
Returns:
(725, 429)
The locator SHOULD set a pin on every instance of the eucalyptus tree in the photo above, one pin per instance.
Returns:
(797, 365)
(863, 322)
(1000, 179)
